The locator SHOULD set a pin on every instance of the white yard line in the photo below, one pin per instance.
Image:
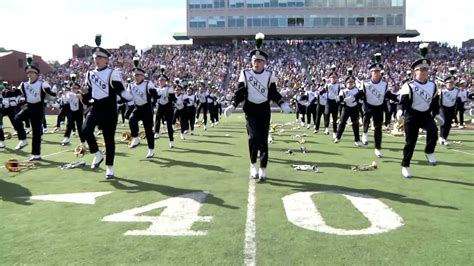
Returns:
(250, 249)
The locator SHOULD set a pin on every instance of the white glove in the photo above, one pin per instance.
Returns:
(126, 95)
(440, 120)
(13, 103)
(6, 103)
(399, 115)
(55, 105)
(228, 110)
(348, 98)
(285, 108)
(21, 99)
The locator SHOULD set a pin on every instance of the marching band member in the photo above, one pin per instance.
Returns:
(166, 98)
(419, 103)
(180, 112)
(103, 84)
(143, 91)
(332, 109)
(34, 92)
(73, 99)
(257, 87)
(448, 101)
(349, 98)
(375, 93)
(189, 101)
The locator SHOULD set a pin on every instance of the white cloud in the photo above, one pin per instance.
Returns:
(442, 21)
(51, 31)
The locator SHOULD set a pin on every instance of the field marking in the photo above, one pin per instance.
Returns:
(79, 198)
(250, 249)
(302, 212)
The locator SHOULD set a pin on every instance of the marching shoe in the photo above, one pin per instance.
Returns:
(254, 171)
(21, 144)
(205, 128)
(45, 130)
(326, 131)
(192, 132)
(65, 141)
(358, 143)
(365, 140)
(135, 141)
(35, 158)
(334, 135)
(262, 174)
(98, 158)
(308, 126)
(461, 126)
(441, 141)
(2, 144)
(183, 137)
(431, 158)
(336, 140)
(378, 153)
(150, 153)
(157, 135)
(171, 144)
(316, 131)
(109, 173)
(406, 172)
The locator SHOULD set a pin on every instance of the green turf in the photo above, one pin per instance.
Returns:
(436, 205)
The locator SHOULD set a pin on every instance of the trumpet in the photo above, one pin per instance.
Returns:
(142, 135)
(8, 135)
(80, 150)
(126, 137)
(13, 165)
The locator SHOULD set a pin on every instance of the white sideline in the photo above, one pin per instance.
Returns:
(250, 249)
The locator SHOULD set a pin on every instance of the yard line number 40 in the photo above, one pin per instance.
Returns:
(181, 212)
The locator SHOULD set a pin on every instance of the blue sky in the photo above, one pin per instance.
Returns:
(50, 28)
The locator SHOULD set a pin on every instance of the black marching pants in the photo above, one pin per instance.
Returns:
(377, 113)
(353, 113)
(145, 114)
(104, 115)
(413, 122)
(257, 130)
(35, 114)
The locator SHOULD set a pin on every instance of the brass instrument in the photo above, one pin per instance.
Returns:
(8, 135)
(13, 165)
(142, 135)
(80, 150)
(126, 137)
(368, 167)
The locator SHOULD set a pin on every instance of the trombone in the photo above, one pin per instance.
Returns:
(13, 165)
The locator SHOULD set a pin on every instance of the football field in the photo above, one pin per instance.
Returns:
(195, 204)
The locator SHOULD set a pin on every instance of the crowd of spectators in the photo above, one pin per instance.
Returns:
(297, 63)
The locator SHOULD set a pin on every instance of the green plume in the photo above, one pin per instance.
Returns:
(259, 40)
(378, 58)
(136, 61)
(350, 71)
(423, 50)
(29, 59)
(98, 39)
(453, 71)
